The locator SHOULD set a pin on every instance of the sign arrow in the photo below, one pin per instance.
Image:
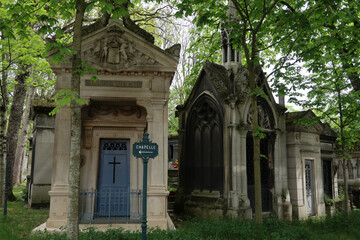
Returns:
(141, 152)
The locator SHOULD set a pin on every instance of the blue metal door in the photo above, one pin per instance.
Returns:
(113, 193)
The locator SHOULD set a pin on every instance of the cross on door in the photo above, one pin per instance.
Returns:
(114, 165)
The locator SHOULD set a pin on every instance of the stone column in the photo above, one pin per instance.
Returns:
(245, 207)
(235, 173)
(157, 171)
(279, 170)
(60, 170)
(282, 203)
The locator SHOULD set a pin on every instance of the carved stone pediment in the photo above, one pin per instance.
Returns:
(116, 51)
(316, 128)
(218, 76)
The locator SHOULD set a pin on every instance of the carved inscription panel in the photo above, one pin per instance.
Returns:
(109, 83)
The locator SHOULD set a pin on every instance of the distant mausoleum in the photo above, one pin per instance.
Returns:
(353, 175)
(42, 149)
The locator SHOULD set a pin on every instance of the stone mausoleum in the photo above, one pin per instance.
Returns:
(352, 172)
(216, 174)
(41, 155)
(129, 98)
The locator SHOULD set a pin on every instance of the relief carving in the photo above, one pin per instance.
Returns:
(242, 83)
(115, 110)
(116, 51)
(263, 118)
(310, 128)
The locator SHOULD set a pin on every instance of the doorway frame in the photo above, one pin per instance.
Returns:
(313, 185)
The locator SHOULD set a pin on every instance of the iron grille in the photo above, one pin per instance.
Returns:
(110, 206)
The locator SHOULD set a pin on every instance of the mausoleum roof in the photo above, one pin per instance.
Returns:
(303, 121)
(114, 48)
(41, 106)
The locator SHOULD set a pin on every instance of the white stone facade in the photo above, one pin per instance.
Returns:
(129, 98)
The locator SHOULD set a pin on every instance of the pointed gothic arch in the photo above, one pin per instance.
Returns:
(204, 161)
(265, 113)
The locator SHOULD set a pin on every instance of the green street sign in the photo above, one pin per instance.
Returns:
(145, 148)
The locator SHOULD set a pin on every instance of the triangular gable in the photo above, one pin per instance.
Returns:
(294, 119)
(212, 79)
(328, 132)
(115, 48)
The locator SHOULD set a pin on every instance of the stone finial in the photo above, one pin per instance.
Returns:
(231, 12)
(231, 58)
(174, 50)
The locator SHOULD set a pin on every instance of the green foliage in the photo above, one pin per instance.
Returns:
(20, 192)
(341, 194)
(64, 98)
(172, 189)
(321, 55)
(259, 132)
(329, 201)
(205, 46)
(172, 119)
(21, 220)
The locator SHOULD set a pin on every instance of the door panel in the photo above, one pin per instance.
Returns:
(114, 179)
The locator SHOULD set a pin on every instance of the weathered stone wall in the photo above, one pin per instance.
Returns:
(42, 157)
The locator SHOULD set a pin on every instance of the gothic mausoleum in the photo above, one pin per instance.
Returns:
(216, 174)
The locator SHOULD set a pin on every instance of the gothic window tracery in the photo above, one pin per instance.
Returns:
(204, 161)
(265, 117)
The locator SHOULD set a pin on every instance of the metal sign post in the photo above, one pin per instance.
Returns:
(145, 149)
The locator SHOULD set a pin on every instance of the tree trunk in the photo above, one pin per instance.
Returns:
(16, 113)
(21, 147)
(346, 188)
(343, 148)
(256, 142)
(4, 102)
(74, 168)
